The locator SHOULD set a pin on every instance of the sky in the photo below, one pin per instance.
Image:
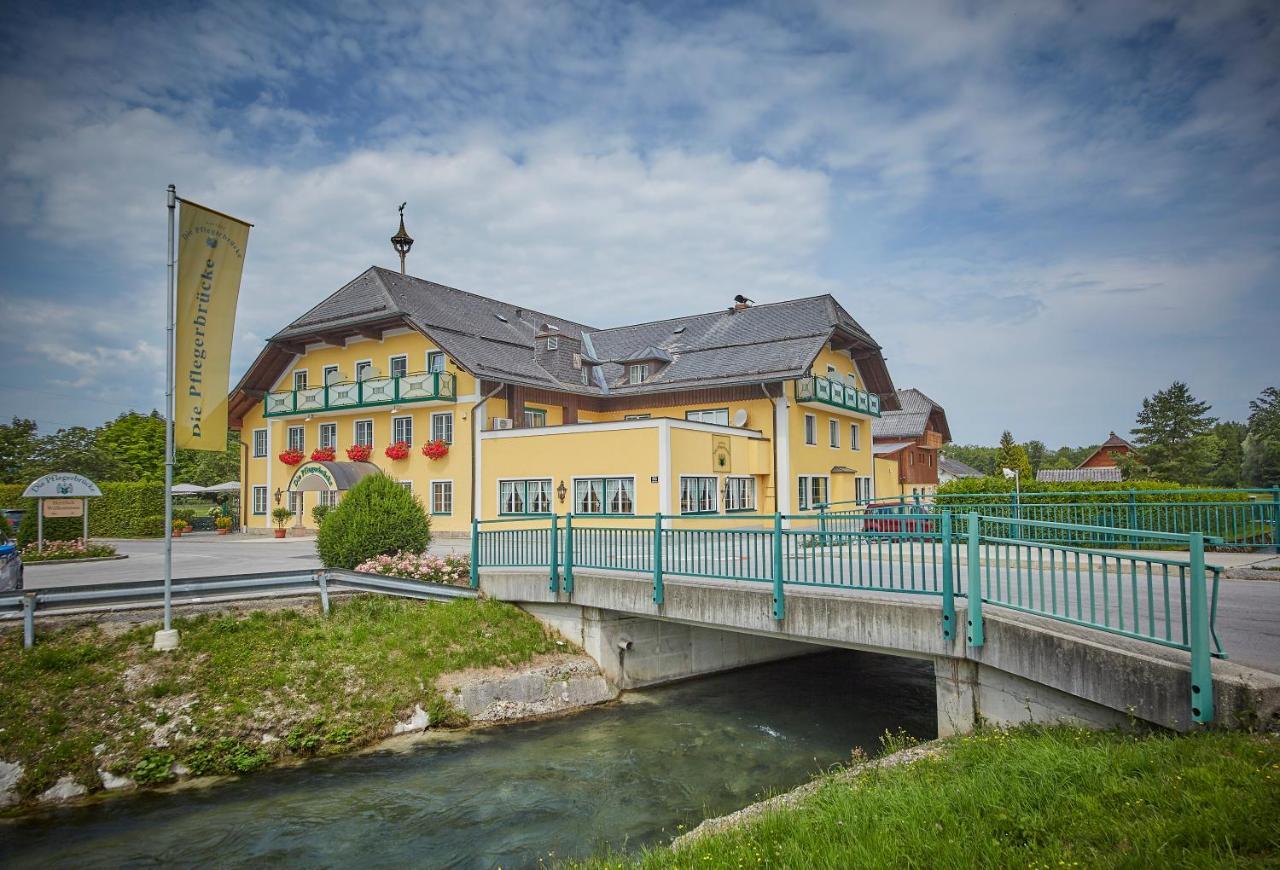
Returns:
(1043, 211)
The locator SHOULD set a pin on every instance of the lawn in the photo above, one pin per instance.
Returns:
(244, 690)
(1035, 798)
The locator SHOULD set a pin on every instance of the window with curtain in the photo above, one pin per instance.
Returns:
(739, 493)
(697, 495)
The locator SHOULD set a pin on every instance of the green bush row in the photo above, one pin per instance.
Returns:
(124, 510)
(970, 490)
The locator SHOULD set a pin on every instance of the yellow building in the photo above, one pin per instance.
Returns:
(487, 409)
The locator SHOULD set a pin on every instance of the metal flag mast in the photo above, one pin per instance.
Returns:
(167, 637)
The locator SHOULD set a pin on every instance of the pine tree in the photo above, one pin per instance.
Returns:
(1173, 435)
(1013, 455)
(1036, 454)
(1261, 462)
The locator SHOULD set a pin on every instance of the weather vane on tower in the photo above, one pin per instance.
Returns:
(402, 241)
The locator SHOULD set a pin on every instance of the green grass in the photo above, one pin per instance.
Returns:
(319, 686)
(1035, 798)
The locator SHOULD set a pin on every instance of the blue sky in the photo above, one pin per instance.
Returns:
(1043, 211)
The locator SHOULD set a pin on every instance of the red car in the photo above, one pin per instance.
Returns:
(894, 518)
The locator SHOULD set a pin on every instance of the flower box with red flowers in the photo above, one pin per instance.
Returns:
(359, 452)
(435, 449)
(398, 450)
(322, 454)
(291, 456)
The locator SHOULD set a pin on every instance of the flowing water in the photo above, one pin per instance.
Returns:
(617, 777)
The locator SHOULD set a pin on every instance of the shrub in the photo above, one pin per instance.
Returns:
(319, 512)
(420, 566)
(377, 517)
(280, 516)
(76, 549)
(151, 527)
(124, 510)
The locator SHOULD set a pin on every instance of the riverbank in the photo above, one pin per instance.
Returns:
(1032, 797)
(92, 708)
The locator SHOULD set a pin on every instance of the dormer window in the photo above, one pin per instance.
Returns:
(636, 374)
(553, 342)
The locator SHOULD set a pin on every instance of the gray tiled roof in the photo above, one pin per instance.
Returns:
(911, 421)
(956, 468)
(1105, 474)
(495, 339)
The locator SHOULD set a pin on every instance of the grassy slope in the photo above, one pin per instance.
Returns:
(318, 685)
(1029, 798)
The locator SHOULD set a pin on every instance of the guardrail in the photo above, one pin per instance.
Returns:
(69, 600)
(987, 560)
(1132, 518)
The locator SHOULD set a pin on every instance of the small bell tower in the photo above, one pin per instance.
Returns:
(402, 241)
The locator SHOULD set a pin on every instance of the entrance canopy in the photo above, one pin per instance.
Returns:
(325, 476)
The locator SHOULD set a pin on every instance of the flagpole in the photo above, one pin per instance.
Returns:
(167, 638)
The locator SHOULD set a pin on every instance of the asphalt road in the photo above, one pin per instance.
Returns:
(1248, 610)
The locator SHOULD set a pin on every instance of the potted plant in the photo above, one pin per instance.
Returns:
(398, 450)
(436, 449)
(291, 456)
(323, 454)
(223, 524)
(280, 516)
(179, 526)
(359, 452)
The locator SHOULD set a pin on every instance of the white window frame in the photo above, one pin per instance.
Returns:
(325, 373)
(862, 489)
(699, 493)
(436, 354)
(535, 412)
(637, 373)
(356, 372)
(431, 508)
(521, 484)
(259, 491)
(442, 415)
(395, 432)
(605, 493)
(805, 491)
(811, 430)
(736, 486)
(833, 431)
(407, 484)
(302, 438)
(305, 379)
(855, 436)
(391, 364)
(328, 497)
(700, 416)
(259, 453)
(637, 416)
(553, 342)
(355, 431)
(331, 428)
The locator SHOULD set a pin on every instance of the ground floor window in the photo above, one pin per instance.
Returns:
(697, 495)
(296, 503)
(862, 489)
(739, 493)
(442, 496)
(604, 495)
(524, 496)
(259, 500)
(329, 498)
(813, 491)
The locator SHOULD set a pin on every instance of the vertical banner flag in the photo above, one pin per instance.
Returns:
(210, 259)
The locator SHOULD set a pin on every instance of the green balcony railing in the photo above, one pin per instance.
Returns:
(836, 394)
(368, 393)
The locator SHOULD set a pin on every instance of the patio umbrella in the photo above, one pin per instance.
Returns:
(188, 489)
(229, 486)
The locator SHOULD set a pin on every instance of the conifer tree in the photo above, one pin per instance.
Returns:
(1173, 435)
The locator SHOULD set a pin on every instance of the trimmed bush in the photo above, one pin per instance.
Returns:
(122, 511)
(377, 516)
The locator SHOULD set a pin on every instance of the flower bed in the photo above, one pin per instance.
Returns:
(398, 450)
(291, 457)
(323, 454)
(455, 570)
(435, 449)
(76, 549)
(359, 452)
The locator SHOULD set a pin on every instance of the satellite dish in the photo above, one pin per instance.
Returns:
(740, 417)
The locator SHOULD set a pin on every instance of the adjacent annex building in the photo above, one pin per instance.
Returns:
(908, 444)
(487, 409)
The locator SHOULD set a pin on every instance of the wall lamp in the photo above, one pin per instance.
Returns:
(279, 494)
(561, 491)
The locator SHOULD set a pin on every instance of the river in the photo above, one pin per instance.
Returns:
(628, 774)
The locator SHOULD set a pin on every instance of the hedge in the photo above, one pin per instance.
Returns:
(124, 510)
(970, 490)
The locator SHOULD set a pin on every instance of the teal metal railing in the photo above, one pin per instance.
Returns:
(837, 394)
(986, 560)
(368, 393)
(1131, 519)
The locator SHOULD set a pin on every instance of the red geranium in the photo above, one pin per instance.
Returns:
(359, 452)
(291, 456)
(398, 450)
(322, 454)
(435, 449)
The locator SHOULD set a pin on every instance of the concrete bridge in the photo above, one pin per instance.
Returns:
(1133, 658)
